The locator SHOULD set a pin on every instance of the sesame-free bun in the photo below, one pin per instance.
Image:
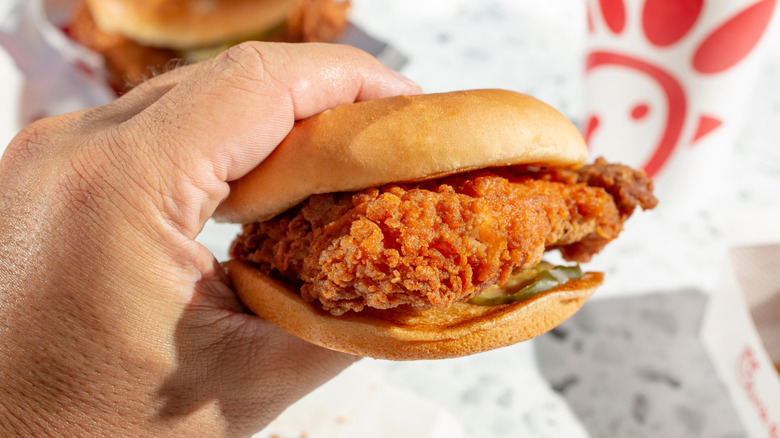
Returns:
(403, 139)
(402, 333)
(184, 24)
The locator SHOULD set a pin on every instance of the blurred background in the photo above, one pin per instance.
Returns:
(636, 361)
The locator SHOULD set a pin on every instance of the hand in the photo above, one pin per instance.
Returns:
(113, 320)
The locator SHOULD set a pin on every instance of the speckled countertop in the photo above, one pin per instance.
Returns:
(538, 48)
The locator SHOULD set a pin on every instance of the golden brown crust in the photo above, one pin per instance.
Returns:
(404, 334)
(403, 138)
(185, 24)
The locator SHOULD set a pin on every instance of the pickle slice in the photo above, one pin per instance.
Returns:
(546, 278)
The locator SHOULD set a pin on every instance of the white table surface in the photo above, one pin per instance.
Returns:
(536, 48)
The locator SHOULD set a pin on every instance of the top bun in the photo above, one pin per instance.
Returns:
(184, 24)
(403, 139)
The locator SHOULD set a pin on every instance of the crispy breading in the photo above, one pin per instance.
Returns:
(437, 242)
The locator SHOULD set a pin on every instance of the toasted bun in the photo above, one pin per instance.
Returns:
(405, 334)
(403, 139)
(183, 24)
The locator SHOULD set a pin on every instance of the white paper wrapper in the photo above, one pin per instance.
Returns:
(60, 76)
(756, 263)
(666, 85)
(742, 328)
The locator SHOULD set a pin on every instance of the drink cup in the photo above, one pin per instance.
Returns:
(667, 83)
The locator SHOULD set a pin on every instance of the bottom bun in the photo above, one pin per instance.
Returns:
(402, 333)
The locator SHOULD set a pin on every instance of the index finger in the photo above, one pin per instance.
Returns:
(236, 108)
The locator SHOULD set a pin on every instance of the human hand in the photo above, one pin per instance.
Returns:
(113, 319)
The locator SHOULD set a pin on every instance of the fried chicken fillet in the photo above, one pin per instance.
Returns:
(439, 242)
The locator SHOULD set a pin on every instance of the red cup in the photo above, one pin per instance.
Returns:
(666, 84)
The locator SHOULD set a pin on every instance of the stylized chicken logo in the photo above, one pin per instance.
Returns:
(648, 96)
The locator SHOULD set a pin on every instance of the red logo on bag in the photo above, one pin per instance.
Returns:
(746, 368)
(665, 26)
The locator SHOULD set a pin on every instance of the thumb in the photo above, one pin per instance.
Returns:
(227, 115)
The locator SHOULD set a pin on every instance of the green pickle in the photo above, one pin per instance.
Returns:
(525, 284)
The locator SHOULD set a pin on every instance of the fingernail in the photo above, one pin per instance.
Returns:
(407, 81)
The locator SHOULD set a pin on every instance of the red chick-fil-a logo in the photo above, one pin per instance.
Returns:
(666, 27)
(746, 368)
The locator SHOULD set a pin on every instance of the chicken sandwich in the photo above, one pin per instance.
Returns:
(413, 227)
(138, 38)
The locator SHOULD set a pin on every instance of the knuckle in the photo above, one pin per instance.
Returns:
(254, 61)
(32, 141)
(35, 151)
(247, 57)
